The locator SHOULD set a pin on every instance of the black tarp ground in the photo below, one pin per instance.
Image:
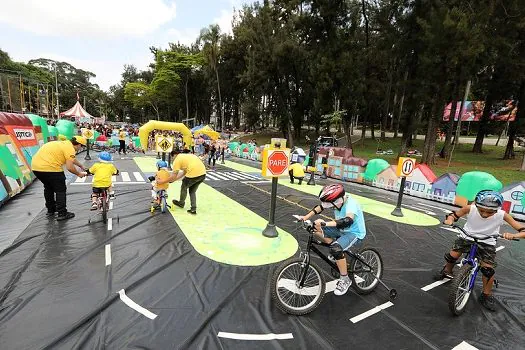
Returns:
(56, 292)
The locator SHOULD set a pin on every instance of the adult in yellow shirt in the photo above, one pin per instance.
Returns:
(296, 171)
(47, 165)
(122, 141)
(190, 167)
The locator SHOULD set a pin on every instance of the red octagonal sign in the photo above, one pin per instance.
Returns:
(277, 162)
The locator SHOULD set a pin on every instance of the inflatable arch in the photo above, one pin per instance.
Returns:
(145, 129)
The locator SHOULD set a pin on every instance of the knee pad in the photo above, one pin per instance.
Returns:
(487, 271)
(450, 259)
(337, 251)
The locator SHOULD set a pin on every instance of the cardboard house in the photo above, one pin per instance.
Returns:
(445, 185)
(387, 179)
(420, 183)
(513, 194)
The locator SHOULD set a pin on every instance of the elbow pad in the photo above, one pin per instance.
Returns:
(315, 211)
(343, 223)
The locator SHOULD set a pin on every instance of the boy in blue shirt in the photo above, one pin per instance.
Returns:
(346, 230)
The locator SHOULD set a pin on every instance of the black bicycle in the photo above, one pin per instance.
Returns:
(298, 284)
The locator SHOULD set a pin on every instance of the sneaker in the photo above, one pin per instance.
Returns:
(194, 212)
(488, 301)
(342, 286)
(177, 203)
(442, 274)
(65, 216)
(94, 206)
(50, 214)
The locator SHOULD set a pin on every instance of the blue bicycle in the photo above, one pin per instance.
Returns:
(160, 202)
(464, 279)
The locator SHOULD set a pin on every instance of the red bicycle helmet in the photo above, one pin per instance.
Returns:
(331, 193)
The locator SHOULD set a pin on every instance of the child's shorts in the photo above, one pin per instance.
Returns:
(98, 190)
(486, 252)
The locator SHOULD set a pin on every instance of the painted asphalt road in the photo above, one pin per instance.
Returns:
(138, 282)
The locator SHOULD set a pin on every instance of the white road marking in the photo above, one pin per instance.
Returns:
(371, 312)
(450, 229)
(113, 178)
(500, 248)
(138, 176)
(110, 224)
(419, 209)
(221, 176)
(436, 207)
(435, 284)
(241, 336)
(125, 176)
(464, 346)
(256, 182)
(81, 179)
(108, 254)
(135, 306)
(211, 177)
(111, 205)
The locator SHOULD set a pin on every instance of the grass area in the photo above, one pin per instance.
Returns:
(265, 137)
(463, 160)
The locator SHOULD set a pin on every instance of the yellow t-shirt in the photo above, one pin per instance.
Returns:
(163, 175)
(52, 156)
(122, 136)
(102, 174)
(297, 169)
(190, 163)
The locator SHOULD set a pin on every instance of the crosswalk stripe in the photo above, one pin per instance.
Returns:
(248, 176)
(221, 176)
(234, 175)
(81, 179)
(138, 176)
(113, 178)
(211, 177)
(125, 176)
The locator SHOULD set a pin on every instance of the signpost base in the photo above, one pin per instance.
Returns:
(397, 211)
(270, 231)
(87, 157)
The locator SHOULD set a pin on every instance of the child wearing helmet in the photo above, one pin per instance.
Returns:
(102, 170)
(347, 229)
(163, 175)
(484, 219)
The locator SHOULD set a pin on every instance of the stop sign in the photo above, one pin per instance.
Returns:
(277, 162)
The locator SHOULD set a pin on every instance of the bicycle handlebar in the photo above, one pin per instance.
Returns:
(467, 234)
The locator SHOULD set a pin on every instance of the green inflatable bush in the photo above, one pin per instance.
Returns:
(374, 167)
(474, 181)
(41, 122)
(66, 128)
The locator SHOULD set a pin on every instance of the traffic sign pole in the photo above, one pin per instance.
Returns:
(87, 157)
(397, 211)
(270, 231)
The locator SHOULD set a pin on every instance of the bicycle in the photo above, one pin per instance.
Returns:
(103, 203)
(161, 201)
(463, 282)
(298, 284)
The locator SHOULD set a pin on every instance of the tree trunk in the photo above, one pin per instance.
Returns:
(220, 99)
(429, 149)
(450, 130)
(418, 121)
(290, 134)
(187, 103)
(387, 108)
(514, 126)
(393, 114)
(401, 102)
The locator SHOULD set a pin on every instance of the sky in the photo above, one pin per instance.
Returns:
(102, 35)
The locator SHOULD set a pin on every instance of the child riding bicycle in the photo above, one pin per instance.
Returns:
(102, 171)
(484, 220)
(163, 175)
(346, 230)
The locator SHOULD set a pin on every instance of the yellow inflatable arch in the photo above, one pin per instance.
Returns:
(145, 129)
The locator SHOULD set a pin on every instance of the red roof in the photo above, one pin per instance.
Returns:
(427, 172)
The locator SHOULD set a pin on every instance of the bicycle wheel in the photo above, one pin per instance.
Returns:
(104, 208)
(460, 291)
(286, 292)
(163, 204)
(364, 278)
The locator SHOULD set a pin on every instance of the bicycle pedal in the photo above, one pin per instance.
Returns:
(496, 283)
